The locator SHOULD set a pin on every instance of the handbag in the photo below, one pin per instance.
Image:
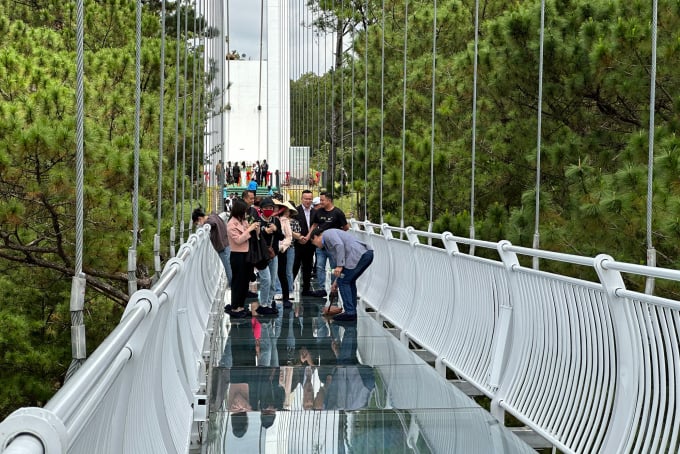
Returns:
(257, 254)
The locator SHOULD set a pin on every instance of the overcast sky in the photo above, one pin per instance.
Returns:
(244, 32)
(244, 28)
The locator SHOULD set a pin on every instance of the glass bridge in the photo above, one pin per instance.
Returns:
(299, 382)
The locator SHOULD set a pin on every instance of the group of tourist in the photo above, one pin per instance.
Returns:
(297, 235)
(242, 173)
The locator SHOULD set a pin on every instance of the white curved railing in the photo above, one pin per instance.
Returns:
(142, 390)
(590, 366)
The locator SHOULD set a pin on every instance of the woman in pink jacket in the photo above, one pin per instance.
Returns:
(238, 231)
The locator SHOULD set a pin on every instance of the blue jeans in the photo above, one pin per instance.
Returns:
(268, 282)
(224, 256)
(290, 259)
(321, 255)
(347, 282)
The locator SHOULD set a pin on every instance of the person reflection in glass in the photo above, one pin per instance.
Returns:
(350, 385)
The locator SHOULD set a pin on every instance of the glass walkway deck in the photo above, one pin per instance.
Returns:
(299, 382)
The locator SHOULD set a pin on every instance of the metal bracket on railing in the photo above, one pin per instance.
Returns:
(439, 365)
(172, 241)
(157, 253)
(144, 296)
(38, 423)
(412, 236)
(509, 259)
(172, 263)
(450, 243)
(132, 271)
(502, 334)
(403, 338)
(386, 231)
(627, 379)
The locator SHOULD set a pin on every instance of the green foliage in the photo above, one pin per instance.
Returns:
(595, 115)
(37, 178)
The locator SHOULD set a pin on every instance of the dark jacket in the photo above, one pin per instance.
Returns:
(218, 232)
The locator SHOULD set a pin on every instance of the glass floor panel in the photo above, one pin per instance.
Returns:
(302, 383)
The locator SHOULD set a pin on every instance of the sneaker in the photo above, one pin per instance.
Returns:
(227, 308)
(345, 317)
(251, 294)
(278, 297)
(239, 314)
(264, 310)
(307, 293)
(287, 304)
(319, 293)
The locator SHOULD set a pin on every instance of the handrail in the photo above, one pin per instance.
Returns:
(513, 332)
(55, 427)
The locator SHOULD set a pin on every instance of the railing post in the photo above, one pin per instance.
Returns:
(452, 250)
(628, 367)
(502, 334)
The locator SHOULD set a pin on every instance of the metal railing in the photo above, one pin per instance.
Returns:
(590, 366)
(142, 390)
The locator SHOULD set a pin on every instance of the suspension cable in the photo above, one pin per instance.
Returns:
(194, 170)
(474, 130)
(651, 251)
(366, 119)
(382, 108)
(318, 83)
(259, 85)
(332, 148)
(342, 100)
(353, 106)
(132, 252)
(326, 135)
(537, 235)
(78, 341)
(403, 118)
(175, 166)
(157, 237)
(184, 124)
(432, 126)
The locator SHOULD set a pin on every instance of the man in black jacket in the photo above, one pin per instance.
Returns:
(218, 236)
(304, 249)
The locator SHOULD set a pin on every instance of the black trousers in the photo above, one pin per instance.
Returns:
(304, 258)
(283, 279)
(240, 279)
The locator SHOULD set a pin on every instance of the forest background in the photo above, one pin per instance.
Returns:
(596, 85)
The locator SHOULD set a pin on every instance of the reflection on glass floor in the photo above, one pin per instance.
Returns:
(301, 383)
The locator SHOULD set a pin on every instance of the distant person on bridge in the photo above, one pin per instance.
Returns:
(264, 174)
(270, 230)
(352, 258)
(219, 173)
(236, 172)
(256, 172)
(238, 230)
(230, 177)
(328, 216)
(304, 249)
(218, 237)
